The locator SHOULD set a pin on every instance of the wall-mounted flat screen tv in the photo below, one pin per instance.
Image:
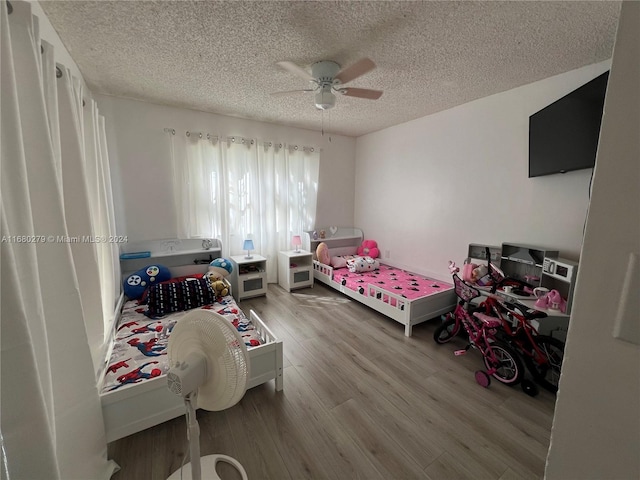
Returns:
(564, 136)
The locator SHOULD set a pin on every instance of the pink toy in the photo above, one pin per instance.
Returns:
(551, 300)
(556, 302)
(467, 272)
(369, 248)
(453, 268)
(542, 302)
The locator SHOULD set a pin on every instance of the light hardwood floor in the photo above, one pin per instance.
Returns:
(360, 400)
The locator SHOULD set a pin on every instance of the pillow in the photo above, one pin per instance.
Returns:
(143, 298)
(369, 248)
(177, 296)
(322, 254)
(136, 283)
(338, 262)
(363, 264)
(341, 261)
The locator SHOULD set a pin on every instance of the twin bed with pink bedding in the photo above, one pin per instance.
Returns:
(406, 297)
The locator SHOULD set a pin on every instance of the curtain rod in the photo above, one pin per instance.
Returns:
(243, 140)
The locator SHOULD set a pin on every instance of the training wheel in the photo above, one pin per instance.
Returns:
(483, 379)
(529, 388)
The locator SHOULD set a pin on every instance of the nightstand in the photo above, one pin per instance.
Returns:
(249, 276)
(295, 269)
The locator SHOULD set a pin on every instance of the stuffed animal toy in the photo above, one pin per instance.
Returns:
(453, 268)
(219, 268)
(480, 276)
(467, 272)
(136, 283)
(479, 272)
(369, 248)
(219, 288)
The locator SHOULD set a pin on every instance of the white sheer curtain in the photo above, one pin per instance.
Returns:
(241, 195)
(273, 198)
(77, 209)
(239, 188)
(51, 424)
(98, 176)
(198, 180)
(303, 165)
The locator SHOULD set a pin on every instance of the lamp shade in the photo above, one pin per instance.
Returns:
(296, 241)
(248, 245)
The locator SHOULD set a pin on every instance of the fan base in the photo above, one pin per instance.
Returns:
(208, 464)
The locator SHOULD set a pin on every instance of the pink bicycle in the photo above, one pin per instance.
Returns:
(500, 360)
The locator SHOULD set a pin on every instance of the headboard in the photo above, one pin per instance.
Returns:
(340, 240)
(182, 257)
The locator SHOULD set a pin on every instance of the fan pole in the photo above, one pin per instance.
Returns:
(194, 436)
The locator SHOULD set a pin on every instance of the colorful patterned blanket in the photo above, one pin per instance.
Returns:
(140, 348)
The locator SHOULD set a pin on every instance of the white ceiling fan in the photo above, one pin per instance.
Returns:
(327, 78)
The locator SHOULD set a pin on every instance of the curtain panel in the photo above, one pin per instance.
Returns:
(239, 188)
(54, 291)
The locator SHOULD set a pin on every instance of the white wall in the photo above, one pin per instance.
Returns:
(141, 163)
(596, 430)
(427, 188)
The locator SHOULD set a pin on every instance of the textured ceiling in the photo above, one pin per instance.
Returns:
(221, 57)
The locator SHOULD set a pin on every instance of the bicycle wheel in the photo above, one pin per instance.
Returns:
(506, 363)
(445, 332)
(546, 371)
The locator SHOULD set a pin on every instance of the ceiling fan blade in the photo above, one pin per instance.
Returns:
(362, 93)
(352, 72)
(296, 70)
(290, 92)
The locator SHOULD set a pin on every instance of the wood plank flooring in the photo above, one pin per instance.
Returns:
(360, 400)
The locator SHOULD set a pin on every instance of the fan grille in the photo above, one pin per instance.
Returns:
(175, 385)
(210, 334)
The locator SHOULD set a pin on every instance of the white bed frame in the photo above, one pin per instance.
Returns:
(402, 310)
(137, 407)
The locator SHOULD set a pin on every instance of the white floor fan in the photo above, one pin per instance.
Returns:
(209, 368)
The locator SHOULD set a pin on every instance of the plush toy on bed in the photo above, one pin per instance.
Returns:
(369, 248)
(136, 283)
(362, 264)
(219, 287)
(219, 268)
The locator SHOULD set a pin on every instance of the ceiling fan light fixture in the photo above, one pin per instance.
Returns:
(327, 78)
(325, 100)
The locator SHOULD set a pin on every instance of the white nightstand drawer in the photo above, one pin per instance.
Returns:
(249, 276)
(295, 269)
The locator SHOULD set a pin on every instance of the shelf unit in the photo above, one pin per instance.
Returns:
(343, 238)
(520, 261)
(249, 276)
(478, 252)
(295, 269)
(170, 253)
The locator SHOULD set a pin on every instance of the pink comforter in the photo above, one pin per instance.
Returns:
(394, 280)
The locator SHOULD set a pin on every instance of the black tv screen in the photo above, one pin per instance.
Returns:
(564, 136)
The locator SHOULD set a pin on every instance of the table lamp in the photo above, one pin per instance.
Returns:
(296, 241)
(248, 246)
